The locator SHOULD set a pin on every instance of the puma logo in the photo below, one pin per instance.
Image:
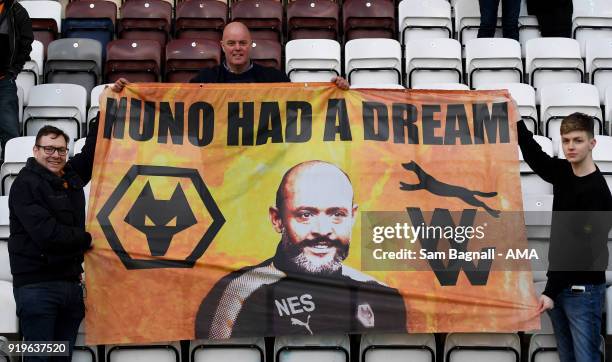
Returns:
(297, 322)
(429, 183)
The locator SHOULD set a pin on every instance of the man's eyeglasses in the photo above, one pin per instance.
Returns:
(233, 43)
(49, 150)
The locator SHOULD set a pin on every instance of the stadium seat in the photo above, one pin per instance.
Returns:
(157, 352)
(433, 61)
(62, 105)
(78, 146)
(467, 20)
(530, 182)
(200, 19)
(237, 349)
(493, 60)
(373, 61)
(136, 60)
(368, 19)
(264, 18)
(145, 20)
(328, 348)
(9, 325)
(499, 347)
(16, 154)
(599, 64)
(529, 27)
(310, 60)
(267, 53)
(543, 348)
(74, 61)
(32, 70)
(602, 155)
(538, 215)
(46, 18)
(83, 352)
(426, 19)
(313, 19)
(94, 104)
(91, 19)
(442, 86)
(560, 100)
(553, 60)
(397, 347)
(591, 20)
(184, 58)
(524, 96)
(20, 105)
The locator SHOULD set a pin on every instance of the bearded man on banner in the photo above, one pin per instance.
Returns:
(304, 288)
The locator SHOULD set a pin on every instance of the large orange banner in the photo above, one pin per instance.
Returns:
(222, 211)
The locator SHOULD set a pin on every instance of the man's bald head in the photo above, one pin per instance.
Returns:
(236, 44)
(236, 29)
(325, 174)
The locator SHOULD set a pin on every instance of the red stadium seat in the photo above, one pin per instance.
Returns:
(368, 19)
(264, 18)
(136, 60)
(46, 20)
(145, 19)
(92, 9)
(267, 53)
(312, 19)
(200, 19)
(184, 58)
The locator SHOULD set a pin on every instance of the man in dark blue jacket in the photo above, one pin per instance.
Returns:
(48, 239)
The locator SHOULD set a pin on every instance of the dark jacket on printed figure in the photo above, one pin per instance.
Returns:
(47, 219)
(20, 36)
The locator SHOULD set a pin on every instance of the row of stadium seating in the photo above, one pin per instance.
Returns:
(548, 60)
(304, 19)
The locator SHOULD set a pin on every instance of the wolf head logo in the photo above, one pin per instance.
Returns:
(160, 220)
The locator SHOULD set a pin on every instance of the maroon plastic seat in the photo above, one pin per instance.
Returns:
(145, 19)
(368, 19)
(135, 60)
(92, 9)
(45, 31)
(267, 53)
(264, 18)
(184, 58)
(200, 19)
(312, 19)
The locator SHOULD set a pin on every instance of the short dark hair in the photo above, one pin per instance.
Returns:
(578, 122)
(51, 130)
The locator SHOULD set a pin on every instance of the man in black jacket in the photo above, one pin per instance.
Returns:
(578, 253)
(48, 238)
(237, 67)
(16, 43)
(305, 288)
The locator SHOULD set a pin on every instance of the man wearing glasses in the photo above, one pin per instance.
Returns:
(48, 239)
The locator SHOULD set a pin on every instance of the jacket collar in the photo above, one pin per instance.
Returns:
(69, 179)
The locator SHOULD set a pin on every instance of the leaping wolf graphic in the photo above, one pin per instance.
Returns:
(431, 184)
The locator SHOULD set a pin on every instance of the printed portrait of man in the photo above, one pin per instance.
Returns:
(305, 288)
